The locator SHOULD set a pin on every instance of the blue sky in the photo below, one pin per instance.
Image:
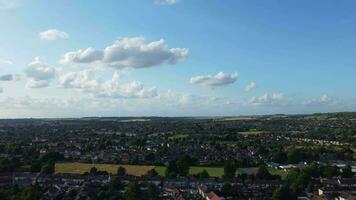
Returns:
(74, 58)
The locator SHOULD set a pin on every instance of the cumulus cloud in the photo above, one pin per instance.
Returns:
(166, 2)
(135, 89)
(85, 80)
(128, 53)
(9, 77)
(220, 79)
(250, 87)
(273, 98)
(39, 74)
(112, 88)
(323, 100)
(53, 34)
(185, 99)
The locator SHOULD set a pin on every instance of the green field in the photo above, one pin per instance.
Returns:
(219, 171)
(213, 171)
(139, 170)
(253, 132)
(178, 136)
(353, 149)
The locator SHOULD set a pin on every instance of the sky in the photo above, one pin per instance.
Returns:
(80, 58)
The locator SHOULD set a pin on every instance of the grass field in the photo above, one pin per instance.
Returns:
(353, 149)
(253, 132)
(80, 168)
(179, 136)
(138, 170)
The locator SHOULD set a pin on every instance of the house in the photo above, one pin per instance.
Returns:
(347, 182)
(213, 196)
(287, 167)
(24, 179)
(273, 165)
(346, 196)
(5, 179)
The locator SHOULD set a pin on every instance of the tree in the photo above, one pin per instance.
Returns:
(93, 171)
(263, 173)
(52, 156)
(36, 166)
(171, 170)
(282, 193)
(152, 173)
(204, 174)
(115, 184)
(150, 157)
(31, 193)
(121, 171)
(48, 168)
(294, 155)
(243, 177)
(229, 169)
(300, 183)
(152, 192)
(227, 188)
(175, 168)
(133, 191)
(329, 171)
(182, 167)
(313, 170)
(279, 156)
(347, 172)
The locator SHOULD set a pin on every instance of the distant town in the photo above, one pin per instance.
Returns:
(275, 157)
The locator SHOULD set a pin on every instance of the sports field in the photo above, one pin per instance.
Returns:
(138, 170)
(213, 171)
(80, 168)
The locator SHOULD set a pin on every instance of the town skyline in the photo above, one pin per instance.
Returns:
(175, 58)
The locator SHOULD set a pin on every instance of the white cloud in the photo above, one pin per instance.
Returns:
(88, 82)
(128, 53)
(31, 83)
(6, 62)
(185, 99)
(1, 90)
(53, 34)
(166, 2)
(220, 79)
(39, 74)
(135, 89)
(323, 100)
(85, 80)
(274, 98)
(250, 87)
(9, 77)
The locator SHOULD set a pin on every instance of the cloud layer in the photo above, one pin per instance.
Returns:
(128, 53)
